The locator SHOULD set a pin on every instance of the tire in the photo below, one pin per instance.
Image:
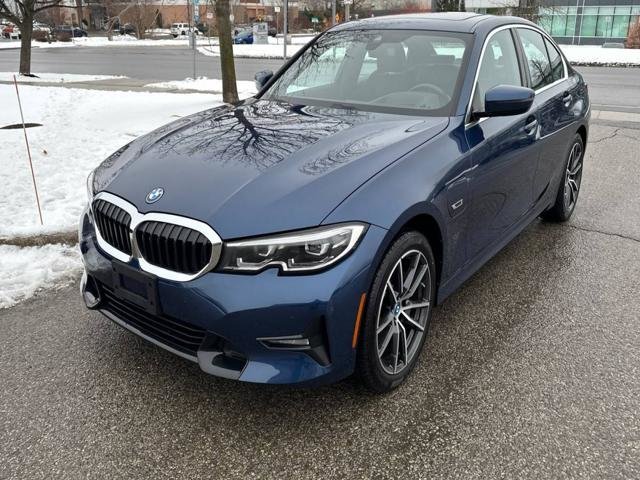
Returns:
(390, 344)
(569, 188)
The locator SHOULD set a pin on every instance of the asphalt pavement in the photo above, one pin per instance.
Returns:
(530, 370)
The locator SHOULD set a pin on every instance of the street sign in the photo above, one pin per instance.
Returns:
(348, 2)
(314, 20)
(276, 9)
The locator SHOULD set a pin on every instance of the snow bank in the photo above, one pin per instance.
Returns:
(204, 84)
(56, 77)
(27, 270)
(80, 129)
(596, 55)
(124, 41)
(252, 51)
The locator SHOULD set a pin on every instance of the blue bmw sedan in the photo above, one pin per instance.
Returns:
(308, 233)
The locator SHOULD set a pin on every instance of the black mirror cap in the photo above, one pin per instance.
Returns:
(262, 78)
(504, 100)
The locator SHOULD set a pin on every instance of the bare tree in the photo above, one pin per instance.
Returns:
(22, 13)
(227, 64)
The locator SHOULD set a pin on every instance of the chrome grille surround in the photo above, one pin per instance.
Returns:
(136, 219)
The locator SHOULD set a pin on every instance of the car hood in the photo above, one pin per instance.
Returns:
(261, 166)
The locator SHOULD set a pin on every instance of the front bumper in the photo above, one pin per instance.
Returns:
(224, 321)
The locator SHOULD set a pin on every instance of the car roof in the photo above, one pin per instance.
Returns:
(463, 22)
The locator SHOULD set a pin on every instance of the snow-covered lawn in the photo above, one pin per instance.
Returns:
(30, 269)
(204, 84)
(80, 129)
(56, 77)
(596, 55)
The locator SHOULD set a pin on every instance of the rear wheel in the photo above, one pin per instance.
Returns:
(398, 313)
(567, 196)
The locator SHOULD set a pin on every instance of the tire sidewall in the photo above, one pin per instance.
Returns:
(368, 362)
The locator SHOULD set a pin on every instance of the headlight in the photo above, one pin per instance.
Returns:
(295, 252)
(90, 191)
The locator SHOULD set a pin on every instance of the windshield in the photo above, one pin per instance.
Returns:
(399, 71)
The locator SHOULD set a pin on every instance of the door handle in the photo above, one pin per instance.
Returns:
(566, 99)
(531, 125)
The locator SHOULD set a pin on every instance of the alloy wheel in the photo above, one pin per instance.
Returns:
(403, 312)
(573, 176)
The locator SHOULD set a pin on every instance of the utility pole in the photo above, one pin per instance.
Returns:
(347, 4)
(286, 26)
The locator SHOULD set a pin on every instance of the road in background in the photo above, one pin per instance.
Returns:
(155, 64)
(611, 88)
(530, 370)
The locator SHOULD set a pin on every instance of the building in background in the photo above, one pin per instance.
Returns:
(579, 22)
(589, 22)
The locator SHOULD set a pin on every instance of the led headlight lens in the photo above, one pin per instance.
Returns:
(301, 251)
(90, 191)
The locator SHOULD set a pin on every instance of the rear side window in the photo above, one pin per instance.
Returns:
(499, 67)
(557, 68)
(537, 58)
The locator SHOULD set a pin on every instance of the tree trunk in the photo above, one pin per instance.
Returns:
(79, 13)
(227, 64)
(26, 30)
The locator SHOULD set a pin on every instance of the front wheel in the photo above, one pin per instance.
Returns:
(398, 313)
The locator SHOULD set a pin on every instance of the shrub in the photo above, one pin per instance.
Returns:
(633, 40)
(63, 36)
(41, 36)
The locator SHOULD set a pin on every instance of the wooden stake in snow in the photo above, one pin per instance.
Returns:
(26, 141)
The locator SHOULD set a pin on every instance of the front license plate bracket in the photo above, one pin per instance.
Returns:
(135, 286)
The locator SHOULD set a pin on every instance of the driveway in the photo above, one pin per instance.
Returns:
(531, 370)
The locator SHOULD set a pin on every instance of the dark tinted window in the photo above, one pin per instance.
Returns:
(557, 68)
(499, 67)
(537, 58)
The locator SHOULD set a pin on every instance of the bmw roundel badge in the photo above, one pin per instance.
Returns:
(154, 195)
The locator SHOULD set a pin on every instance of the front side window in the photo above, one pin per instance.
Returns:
(397, 71)
(537, 59)
(499, 67)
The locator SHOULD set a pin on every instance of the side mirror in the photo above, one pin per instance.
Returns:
(504, 100)
(262, 78)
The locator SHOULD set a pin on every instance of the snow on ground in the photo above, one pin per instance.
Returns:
(4, 44)
(125, 41)
(596, 55)
(30, 269)
(80, 129)
(56, 77)
(204, 84)
(252, 51)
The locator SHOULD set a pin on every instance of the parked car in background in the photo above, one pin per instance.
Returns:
(178, 29)
(128, 29)
(273, 32)
(72, 31)
(41, 27)
(308, 232)
(11, 32)
(245, 37)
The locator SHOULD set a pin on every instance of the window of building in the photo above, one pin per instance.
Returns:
(595, 22)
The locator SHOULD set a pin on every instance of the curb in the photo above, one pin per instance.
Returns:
(68, 238)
